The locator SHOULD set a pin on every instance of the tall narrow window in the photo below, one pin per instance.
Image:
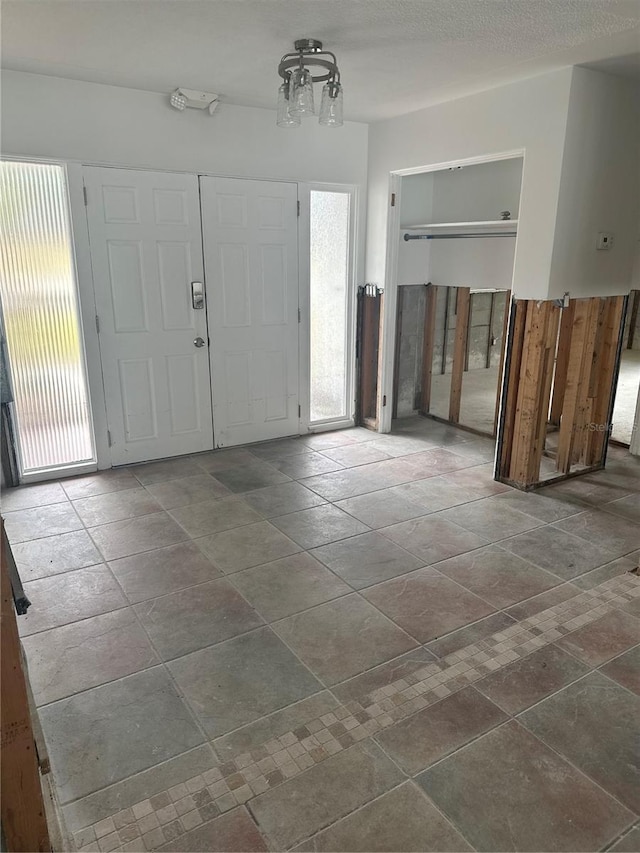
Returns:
(330, 251)
(41, 320)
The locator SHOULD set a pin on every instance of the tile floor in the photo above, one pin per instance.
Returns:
(340, 642)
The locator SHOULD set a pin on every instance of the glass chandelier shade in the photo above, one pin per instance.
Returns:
(301, 93)
(309, 64)
(285, 119)
(331, 105)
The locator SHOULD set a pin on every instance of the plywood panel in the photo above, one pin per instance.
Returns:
(24, 824)
(586, 345)
(369, 318)
(534, 387)
(503, 349)
(562, 363)
(603, 378)
(515, 346)
(572, 421)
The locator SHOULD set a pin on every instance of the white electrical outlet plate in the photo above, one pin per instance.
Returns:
(604, 241)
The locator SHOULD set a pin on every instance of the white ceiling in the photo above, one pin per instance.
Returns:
(395, 56)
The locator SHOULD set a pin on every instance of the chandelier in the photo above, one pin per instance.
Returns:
(295, 95)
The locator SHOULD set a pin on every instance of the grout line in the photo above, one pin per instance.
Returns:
(566, 759)
(440, 661)
(606, 599)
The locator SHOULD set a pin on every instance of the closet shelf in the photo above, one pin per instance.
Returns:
(507, 224)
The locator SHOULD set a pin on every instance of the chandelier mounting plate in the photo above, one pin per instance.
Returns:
(307, 44)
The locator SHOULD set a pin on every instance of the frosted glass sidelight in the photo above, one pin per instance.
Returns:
(40, 310)
(329, 281)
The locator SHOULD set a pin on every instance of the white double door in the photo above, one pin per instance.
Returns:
(168, 360)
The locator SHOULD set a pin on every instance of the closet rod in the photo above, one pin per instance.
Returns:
(458, 236)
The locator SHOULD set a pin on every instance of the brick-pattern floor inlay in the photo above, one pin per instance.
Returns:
(164, 817)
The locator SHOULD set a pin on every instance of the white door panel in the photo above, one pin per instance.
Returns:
(146, 249)
(251, 261)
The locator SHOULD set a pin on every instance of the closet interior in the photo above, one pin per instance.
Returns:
(457, 240)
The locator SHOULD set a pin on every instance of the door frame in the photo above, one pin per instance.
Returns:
(87, 302)
(388, 326)
(304, 327)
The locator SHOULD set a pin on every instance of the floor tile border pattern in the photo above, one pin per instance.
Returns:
(169, 814)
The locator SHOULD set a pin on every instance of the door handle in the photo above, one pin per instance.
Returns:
(197, 295)
(199, 342)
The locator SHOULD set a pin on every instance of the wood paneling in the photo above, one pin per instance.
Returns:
(503, 348)
(368, 351)
(463, 303)
(562, 363)
(584, 345)
(23, 816)
(534, 388)
(515, 346)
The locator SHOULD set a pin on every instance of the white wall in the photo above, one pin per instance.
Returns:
(52, 118)
(478, 264)
(600, 187)
(416, 199)
(89, 122)
(477, 192)
(416, 206)
(529, 116)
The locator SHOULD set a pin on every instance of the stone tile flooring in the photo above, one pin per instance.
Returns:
(340, 642)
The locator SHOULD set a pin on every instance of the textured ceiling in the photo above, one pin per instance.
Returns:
(395, 56)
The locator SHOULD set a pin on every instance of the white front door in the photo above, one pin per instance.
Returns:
(251, 260)
(146, 250)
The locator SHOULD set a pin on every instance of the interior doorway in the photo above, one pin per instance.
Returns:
(456, 248)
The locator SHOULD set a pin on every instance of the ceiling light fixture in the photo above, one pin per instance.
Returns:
(182, 98)
(295, 95)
